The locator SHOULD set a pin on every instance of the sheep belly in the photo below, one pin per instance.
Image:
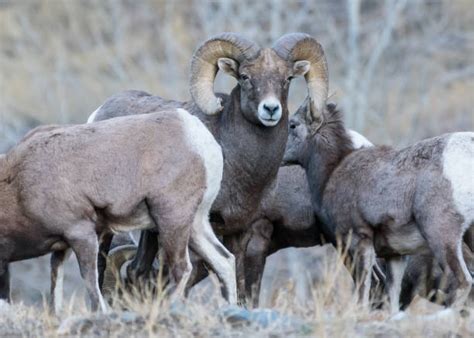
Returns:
(26, 246)
(399, 240)
(139, 220)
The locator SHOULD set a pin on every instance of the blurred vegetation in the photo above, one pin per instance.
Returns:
(401, 70)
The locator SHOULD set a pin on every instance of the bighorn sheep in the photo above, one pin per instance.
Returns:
(250, 124)
(62, 187)
(392, 203)
(286, 219)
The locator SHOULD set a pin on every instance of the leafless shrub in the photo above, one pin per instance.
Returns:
(393, 64)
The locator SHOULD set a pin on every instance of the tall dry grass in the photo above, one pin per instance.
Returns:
(330, 310)
(60, 59)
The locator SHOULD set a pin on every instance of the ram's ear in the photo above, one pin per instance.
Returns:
(229, 66)
(300, 68)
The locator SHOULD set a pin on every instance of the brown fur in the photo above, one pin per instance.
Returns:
(424, 277)
(252, 152)
(286, 219)
(61, 187)
(392, 203)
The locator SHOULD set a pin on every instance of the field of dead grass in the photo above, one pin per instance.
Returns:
(328, 308)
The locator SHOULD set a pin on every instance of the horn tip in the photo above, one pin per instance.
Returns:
(217, 107)
(212, 107)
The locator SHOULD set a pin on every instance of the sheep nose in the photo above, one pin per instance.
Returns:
(271, 108)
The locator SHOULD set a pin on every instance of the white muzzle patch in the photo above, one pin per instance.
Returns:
(269, 112)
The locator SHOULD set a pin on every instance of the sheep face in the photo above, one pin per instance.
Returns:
(299, 134)
(264, 83)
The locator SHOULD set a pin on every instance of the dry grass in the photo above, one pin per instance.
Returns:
(59, 59)
(329, 310)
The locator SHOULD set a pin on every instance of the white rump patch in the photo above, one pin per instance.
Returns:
(358, 140)
(93, 115)
(458, 168)
(203, 240)
(203, 143)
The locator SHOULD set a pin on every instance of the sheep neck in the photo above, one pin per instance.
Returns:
(8, 201)
(252, 155)
(3, 168)
(327, 149)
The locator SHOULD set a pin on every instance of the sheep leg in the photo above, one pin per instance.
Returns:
(396, 270)
(453, 291)
(179, 262)
(173, 227)
(448, 252)
(142, 263)
(457, 264)
(417, 278)
(199, 270)
(57, 278)
(104, 247)
(4, 282)
(205, 243)
(237, 244)
(83, 241)
(256, 255)
(365, 258)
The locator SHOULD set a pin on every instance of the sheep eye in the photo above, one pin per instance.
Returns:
(244, 77)
(292, 126)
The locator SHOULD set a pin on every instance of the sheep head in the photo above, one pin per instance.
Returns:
(263, 76)
(299, 135)
(324, 136)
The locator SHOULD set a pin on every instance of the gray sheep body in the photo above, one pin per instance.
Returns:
(389, 203)
(62, 187)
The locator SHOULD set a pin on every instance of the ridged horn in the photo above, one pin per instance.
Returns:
(204, 67)
(299, 46)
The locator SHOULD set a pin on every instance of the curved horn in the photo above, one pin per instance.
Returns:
(204, 67)
(116, 258)
(299, 46)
